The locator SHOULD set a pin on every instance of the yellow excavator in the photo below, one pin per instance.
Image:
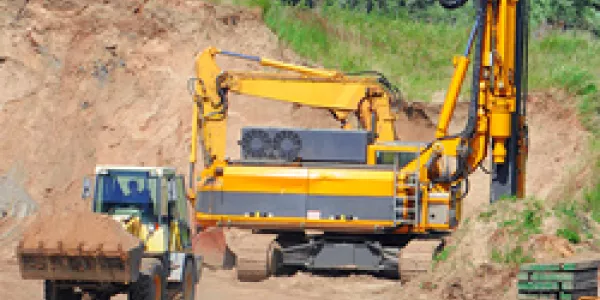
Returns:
(359, 197)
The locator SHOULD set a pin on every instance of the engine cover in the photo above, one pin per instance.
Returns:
(308, 145)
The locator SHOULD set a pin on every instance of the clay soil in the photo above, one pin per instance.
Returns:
(88, 82)
(83, 230)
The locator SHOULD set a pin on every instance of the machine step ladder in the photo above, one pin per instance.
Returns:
(406, 204)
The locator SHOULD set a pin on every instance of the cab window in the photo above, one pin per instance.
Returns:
(121, 190)
(387, 158)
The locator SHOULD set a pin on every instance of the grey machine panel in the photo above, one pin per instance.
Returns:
(361, 208)
(240, 204)
(294, 205)
(438, 214)
(316, 145)
(344, 255)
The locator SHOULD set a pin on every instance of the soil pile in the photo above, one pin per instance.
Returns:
(69, 231)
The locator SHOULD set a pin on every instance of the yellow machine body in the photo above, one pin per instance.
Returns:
(423, 193)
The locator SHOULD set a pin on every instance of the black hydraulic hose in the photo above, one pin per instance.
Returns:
(467, 188)
(484, 170)
(222, 92)
(223, 101)
(469, 129)
(392, 89)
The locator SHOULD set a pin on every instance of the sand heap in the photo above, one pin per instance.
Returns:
(84, 230)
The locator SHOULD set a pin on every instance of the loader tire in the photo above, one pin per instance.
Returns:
(53, 292)
(151, 285)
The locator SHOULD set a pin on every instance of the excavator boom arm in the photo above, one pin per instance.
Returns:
(370, 98)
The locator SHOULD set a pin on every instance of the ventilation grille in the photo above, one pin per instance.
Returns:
(309, 145)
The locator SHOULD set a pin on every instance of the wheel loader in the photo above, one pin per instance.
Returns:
(150, 204)
(359, 197)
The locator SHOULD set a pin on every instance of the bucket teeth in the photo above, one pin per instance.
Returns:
(60, 247)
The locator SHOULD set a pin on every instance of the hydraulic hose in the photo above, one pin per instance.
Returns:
(470, 127)
(391, 89)
(472, 119)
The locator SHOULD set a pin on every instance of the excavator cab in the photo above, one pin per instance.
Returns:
(397, 154)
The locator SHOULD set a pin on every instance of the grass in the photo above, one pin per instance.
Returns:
(592, 200)
(514, 256)
(444, 254)
(568, 234)
(570, 216)
(526, 222)
(416, 53)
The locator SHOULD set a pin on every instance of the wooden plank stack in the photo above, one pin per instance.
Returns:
(558, 281)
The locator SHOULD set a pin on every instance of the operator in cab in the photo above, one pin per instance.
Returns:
(136, 195)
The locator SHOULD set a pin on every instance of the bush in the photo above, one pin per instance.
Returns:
(569, 235)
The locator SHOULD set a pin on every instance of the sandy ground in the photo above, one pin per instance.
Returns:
(88, 82)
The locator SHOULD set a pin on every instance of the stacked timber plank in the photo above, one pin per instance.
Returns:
(558, 281)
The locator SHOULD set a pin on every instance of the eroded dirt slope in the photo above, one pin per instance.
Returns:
(87, 82)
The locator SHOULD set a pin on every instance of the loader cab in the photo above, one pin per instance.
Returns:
(126, 192)
(154, 194)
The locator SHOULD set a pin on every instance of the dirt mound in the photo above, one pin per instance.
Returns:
(415, 124)
(84, 230)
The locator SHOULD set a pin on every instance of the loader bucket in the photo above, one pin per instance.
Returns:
(211, 244)
(102, 266)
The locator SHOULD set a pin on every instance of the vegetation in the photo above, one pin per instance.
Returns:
(571, 223)
(581, 14)
(443, 255)
(514, 256)
(414, 45)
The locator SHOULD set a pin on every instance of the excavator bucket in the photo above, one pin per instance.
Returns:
(211, 244)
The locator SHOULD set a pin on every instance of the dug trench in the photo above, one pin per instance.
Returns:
(87, 82)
